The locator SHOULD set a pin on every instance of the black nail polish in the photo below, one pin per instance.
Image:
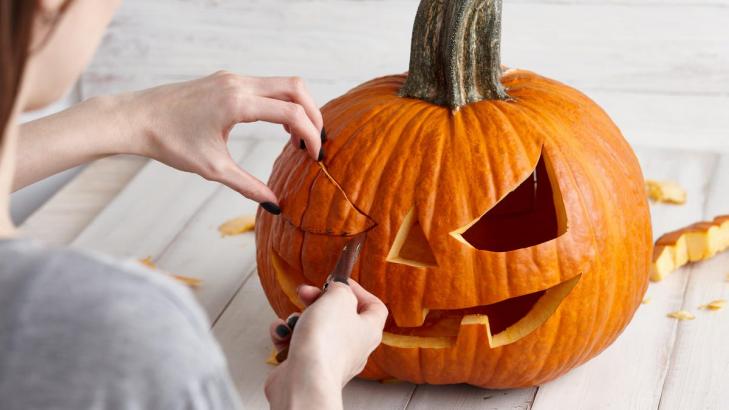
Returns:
(271, 207)
(321, 154)
(292, 321)
(302, 144)
(282, 331)
(323, 135)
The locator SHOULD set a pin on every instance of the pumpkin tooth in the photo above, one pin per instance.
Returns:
(539, 313)
(542, 310)
(408, 316)
(288, 279)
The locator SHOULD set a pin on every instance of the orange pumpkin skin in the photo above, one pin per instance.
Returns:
(392, 154)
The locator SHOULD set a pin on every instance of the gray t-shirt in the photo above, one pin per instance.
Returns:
(82, 331)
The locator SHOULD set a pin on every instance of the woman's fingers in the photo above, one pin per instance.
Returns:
(280, 334)
(308, 294)
(228, 173)
(368, 305)
(290, 89)
(289, 114)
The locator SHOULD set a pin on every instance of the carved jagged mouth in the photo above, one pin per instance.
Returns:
(505, 322)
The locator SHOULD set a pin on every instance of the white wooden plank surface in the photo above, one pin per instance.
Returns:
(72, 208)
(661, 69)
(699, 369)
(630, 374)
(470, 398)
(198, 250)
(150, 212)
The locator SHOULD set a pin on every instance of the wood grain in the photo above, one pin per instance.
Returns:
(471, 398)
(700, 359)
(71, 209)
(199, 250)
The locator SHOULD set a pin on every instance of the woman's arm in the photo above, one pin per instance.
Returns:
(80, 134)
(184, 125)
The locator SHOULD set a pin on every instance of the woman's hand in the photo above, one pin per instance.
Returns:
(184, 125)
(332, 341)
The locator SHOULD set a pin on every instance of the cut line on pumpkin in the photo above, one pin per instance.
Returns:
(444, 332)
(410, 246)
(352, 220)
(531, 214)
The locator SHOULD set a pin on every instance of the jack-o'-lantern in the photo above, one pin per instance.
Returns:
(507, 228)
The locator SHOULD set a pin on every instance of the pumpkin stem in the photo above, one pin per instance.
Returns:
(455, 53)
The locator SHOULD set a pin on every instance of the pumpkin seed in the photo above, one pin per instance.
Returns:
(681, 315)
(717, 304)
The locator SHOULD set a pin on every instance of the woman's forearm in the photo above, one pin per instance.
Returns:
(87, 131)
(184, 125)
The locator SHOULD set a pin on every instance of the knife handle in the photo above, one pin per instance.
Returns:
(282, 355)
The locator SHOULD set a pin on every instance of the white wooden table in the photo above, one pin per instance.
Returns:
(661, 70)
(133, 209)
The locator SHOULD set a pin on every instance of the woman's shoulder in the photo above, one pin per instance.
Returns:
(30, 268)
(35, 274)
(87, 318)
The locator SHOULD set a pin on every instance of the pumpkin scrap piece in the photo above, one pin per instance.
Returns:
(693, 243)
(272, 358)
(681, 315)
(187, 280)
(717, 304)
(237, 226)
(667, 192)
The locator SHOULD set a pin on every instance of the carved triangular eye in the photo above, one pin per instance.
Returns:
(411, 246)
(531, 214)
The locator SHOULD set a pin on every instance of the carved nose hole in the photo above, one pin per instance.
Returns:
(411, 247)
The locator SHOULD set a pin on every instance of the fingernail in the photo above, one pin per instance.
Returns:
(341, 280)
(292, 321)
(323, 135)
(282, 331)
(321, 154)
(302, 144)
(271, 207)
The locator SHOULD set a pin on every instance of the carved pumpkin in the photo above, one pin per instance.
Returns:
(508, 234)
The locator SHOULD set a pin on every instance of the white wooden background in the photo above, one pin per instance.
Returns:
(661, 69)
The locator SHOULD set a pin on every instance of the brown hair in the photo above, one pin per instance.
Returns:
(16, 26)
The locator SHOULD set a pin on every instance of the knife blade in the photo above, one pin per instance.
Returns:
(347, 258)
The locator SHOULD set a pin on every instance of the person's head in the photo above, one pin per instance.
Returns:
(44, 47)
